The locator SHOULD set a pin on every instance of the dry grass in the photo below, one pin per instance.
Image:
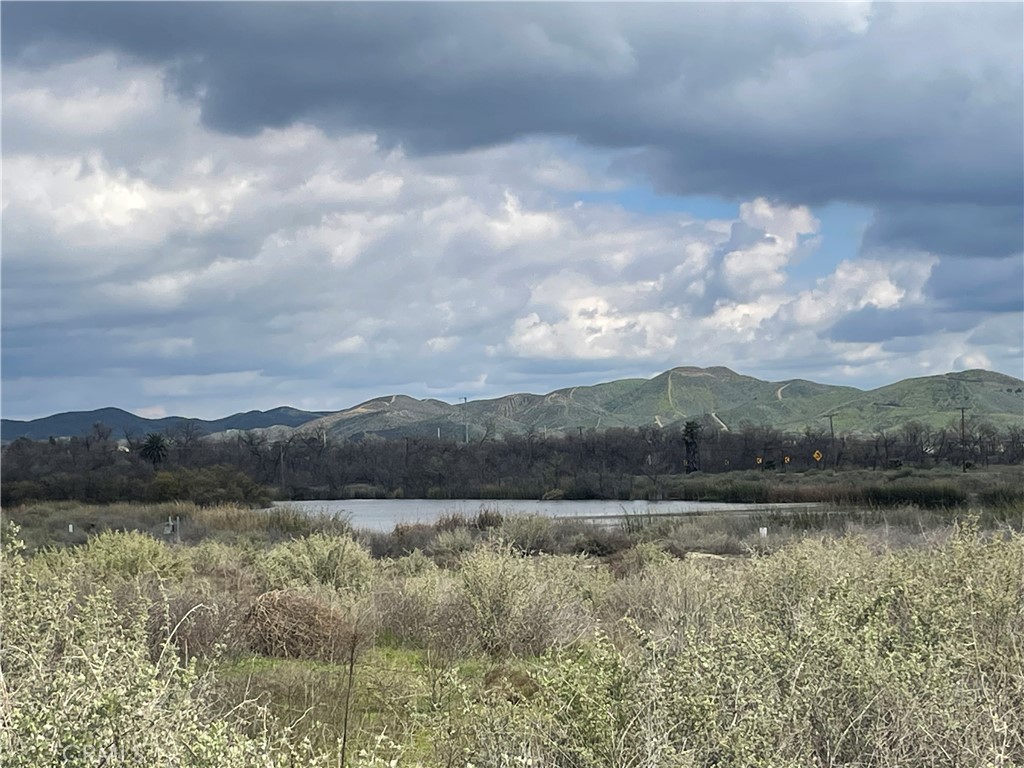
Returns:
(298, 625)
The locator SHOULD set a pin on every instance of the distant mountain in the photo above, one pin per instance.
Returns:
(718, 397)
(80, 423)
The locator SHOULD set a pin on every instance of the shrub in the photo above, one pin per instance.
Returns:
(226, 564)
(450, 521)
(423, 611)
(928, 495)
(403, 539)
(207, 486)
(363, 491)
(298, 625)
(81, 688)
(1002, 497)
(608, 709)
(512, 608)
(584, 538)
(451, 543)
(127, 555)
(528, 534)
(198, 621)
(338, 562)
(488, 518)
(640, 557)
(413, 564)
(664, 598)
(718, 535)
(275, 522)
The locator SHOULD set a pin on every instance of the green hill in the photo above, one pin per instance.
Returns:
(936, 402)
(717, 397)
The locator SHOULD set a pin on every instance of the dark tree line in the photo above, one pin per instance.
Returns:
(614, 463)
(100, 469)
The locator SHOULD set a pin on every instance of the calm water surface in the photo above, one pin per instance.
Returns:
(384, 514)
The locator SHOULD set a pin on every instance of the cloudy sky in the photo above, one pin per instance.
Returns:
(210, 208)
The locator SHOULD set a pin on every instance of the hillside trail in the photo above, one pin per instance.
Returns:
(714, 416)
(672, 405)
(778, 392)
(671, 402)
(570, 400)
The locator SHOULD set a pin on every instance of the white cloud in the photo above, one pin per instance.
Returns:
(201, 384)
(974, 359)
(163, 347)
(348, 345)
(152, 412)
(82, 99)
(289, 265)
(858, 284)
(442, 343)
(518, 226)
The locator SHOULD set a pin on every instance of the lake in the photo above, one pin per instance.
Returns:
(384, 514)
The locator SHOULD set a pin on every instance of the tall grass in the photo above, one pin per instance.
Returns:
(933, 494)
(70, 523)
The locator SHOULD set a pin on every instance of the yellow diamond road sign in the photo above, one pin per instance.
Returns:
(817, 455)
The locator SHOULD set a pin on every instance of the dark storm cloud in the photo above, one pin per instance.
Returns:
(950, 230)
(906, 107)
(873, 324)
(990, 285)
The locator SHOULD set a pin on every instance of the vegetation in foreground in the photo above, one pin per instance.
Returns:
(884, 639)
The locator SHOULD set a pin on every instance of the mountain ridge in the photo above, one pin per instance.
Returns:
(716, 396)
(120, 422)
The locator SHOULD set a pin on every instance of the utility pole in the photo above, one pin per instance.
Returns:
(963, 439)
(465, 421)
(832, 432)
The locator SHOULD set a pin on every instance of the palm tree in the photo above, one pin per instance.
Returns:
(154, 449)
(693, 432)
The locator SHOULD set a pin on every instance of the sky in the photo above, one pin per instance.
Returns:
(216, 207)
